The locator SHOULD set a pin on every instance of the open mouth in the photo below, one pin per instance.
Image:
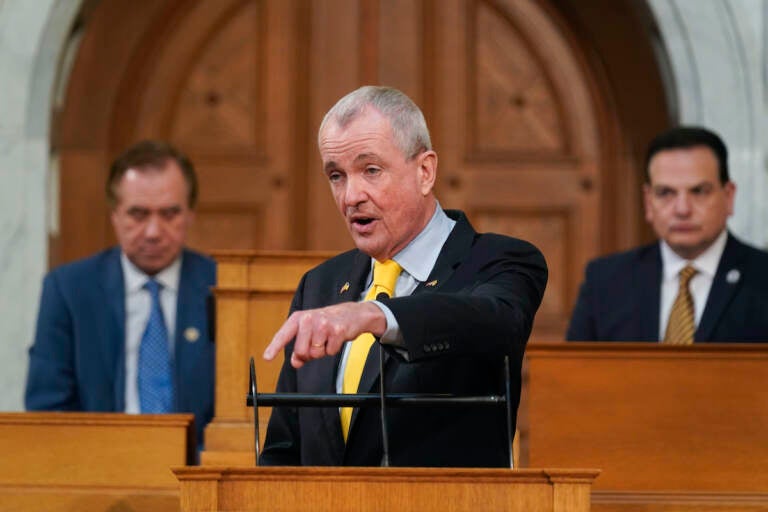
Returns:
(362, 221)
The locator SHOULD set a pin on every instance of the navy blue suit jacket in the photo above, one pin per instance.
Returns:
(77, 362)
(477, 305)
(620, 298)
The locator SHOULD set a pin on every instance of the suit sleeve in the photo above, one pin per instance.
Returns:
(51, 382)
(282, 446)
(582, 325)
(487, 309)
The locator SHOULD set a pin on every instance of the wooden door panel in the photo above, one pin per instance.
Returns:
(516, 163)
(514, 107)
(223, 92)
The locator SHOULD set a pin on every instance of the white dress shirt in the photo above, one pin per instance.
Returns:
(705, 264)
(138, 303)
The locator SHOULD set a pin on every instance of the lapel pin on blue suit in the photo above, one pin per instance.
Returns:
(733, 276)
(431, 283)
(191, 334)
(344, 288)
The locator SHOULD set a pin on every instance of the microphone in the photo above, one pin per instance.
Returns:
(382, 398)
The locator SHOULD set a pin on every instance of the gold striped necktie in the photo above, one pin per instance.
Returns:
(681, 325)
(384, 278)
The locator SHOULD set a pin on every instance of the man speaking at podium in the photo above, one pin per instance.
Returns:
(445, 303)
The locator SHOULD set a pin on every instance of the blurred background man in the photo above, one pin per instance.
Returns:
(698, 282)
(127, 329)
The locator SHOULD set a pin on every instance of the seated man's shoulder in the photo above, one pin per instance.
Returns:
(753, 253)
(84, 268)
(622, 262)
(201, 263)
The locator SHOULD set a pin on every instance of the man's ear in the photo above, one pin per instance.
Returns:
(730, 195)
(647, 192)
(427, 171)
(113, 217)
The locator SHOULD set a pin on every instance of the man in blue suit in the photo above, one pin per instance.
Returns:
(91, 351)
(638, 295)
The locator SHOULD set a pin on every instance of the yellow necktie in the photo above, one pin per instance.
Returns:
(384, 278)
(681, 326)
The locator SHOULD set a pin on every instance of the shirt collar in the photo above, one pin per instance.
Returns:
(705, 263)
(419, 256)
(135, 278)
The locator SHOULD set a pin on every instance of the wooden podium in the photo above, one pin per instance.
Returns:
(253, 296)
(289, 489)
(672, 428)
(59, 461)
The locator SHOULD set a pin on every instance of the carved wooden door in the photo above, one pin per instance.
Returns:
(241, 85)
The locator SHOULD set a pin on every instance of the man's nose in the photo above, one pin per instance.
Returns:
(153, 227)
(355, 192)
(683, 204)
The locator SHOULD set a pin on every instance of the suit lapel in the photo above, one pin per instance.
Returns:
(454, 251)
(451, 255)
(188, 323)
(649, 287)
(727, 280)
(347, 288)
(113, 347)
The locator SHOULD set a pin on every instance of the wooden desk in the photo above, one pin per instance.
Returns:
(288, 489)
(672, 428)
(57, 461)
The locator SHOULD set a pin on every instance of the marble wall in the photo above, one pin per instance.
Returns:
(32, 35)
(718, 51)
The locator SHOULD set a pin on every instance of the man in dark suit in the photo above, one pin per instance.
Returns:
(698, 274)
(93, 348)
(460, 303)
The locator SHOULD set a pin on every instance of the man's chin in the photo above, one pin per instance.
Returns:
(688, 249)
(367, 245)
(152, 265)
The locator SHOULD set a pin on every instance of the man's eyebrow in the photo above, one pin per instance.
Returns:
(366, 156)
(330, 166)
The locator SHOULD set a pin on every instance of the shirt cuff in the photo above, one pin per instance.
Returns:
(392, 335)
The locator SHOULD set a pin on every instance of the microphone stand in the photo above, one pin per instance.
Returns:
(380, 399)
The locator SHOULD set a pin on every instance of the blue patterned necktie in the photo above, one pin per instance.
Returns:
(155, 382)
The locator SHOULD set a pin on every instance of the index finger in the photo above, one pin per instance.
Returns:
(282, 337)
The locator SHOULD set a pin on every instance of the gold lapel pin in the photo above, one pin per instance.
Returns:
(345, 287)
(432, 283)
(191, 334)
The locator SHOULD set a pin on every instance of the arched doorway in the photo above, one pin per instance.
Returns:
(528, 106)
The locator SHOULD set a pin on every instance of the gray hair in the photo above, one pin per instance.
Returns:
(409, 127)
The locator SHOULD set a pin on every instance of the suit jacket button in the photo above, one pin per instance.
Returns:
(427, 348)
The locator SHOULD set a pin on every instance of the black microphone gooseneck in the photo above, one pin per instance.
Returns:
(382, 404)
